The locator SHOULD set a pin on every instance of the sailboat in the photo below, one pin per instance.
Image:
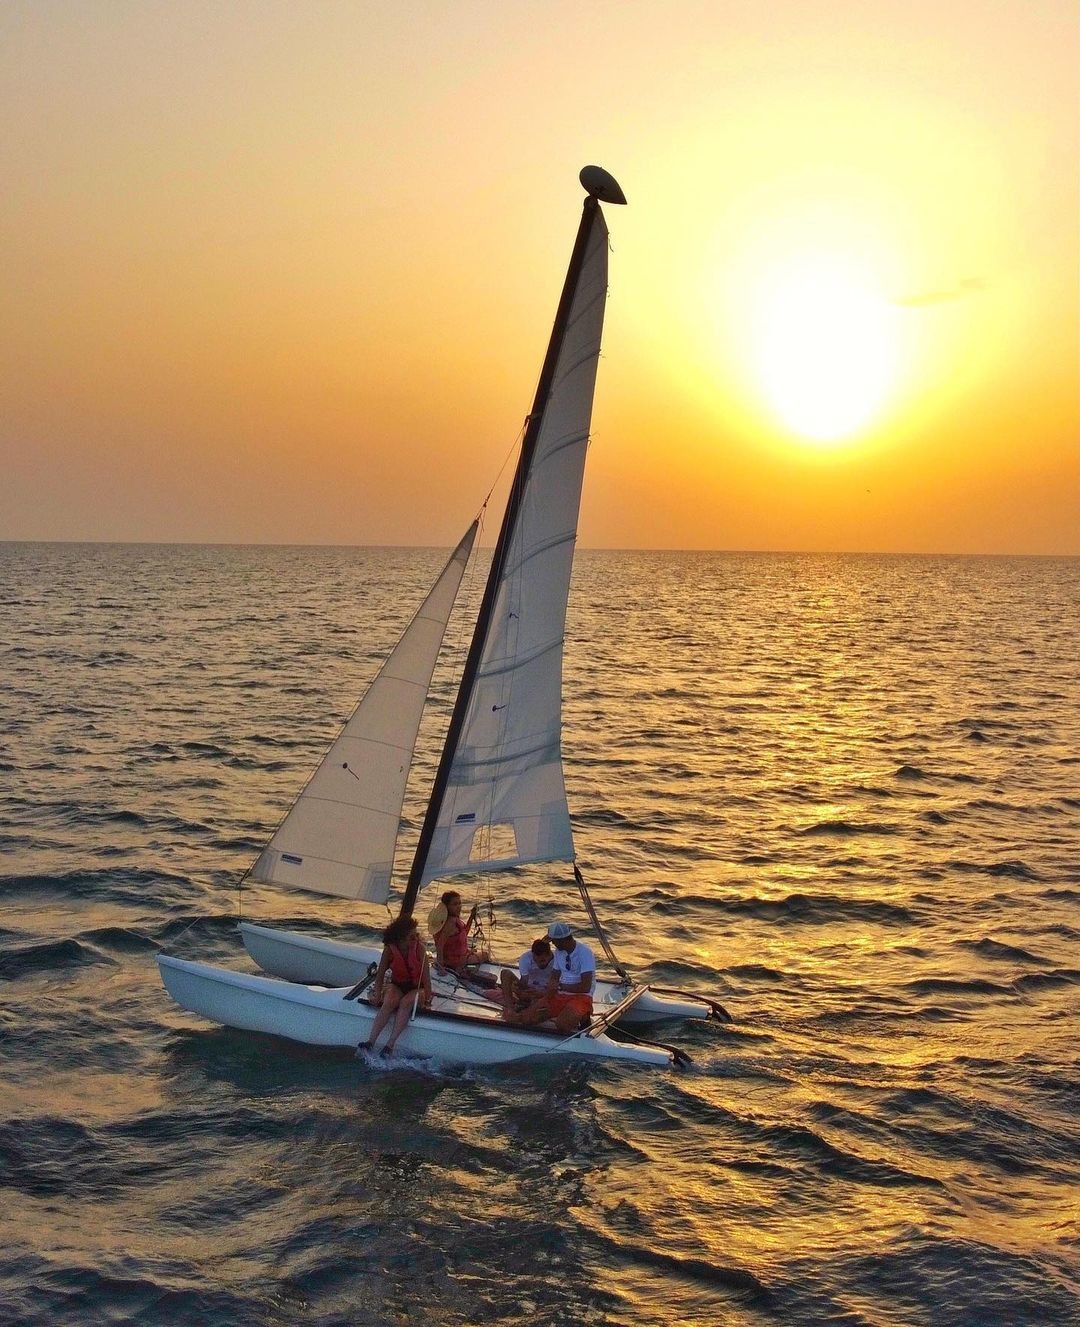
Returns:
(498, 800)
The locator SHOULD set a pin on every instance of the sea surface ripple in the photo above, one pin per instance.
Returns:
(841, 793)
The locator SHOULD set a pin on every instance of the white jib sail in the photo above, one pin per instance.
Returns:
(505, 800)
(339, 836)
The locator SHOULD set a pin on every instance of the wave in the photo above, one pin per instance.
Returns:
(847, 827)
(651, 819)
(122, 939)
(814, 909)
(204, 749)
(241, 843)
(684, 1265)
(993, 804)
(694, 970)
(995, 949)
(109, 658)
(49, 956)
(99, 816)
(805, 1142)
(600, 817)
(1037, 980)
(205, 924)
(249, 762)
(1060, 928)
(977, 1281)
(113, 883)
(759, 972)
(1012, 869)
(286, 743)
(958, 985)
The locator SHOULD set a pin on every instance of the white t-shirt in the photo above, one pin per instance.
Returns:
(580, 960)
(533, 976)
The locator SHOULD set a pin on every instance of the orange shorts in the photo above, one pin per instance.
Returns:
(579, 1004)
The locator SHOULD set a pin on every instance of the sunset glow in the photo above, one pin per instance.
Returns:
(282, 274)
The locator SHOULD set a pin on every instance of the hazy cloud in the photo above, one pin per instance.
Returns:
(972, 285)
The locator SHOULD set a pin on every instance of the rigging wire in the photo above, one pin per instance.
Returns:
(601, 934)
(464, 588)
(514, 446)
(453, 647)
(465, 618)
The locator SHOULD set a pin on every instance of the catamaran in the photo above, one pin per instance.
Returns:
(498, 800)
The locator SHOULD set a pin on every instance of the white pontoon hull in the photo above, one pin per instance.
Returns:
(323, 1017)
(313, 960)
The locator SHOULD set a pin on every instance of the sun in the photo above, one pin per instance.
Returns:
(823, 346)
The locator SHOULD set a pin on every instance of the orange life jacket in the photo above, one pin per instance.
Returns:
(456, 948)
(406, 967)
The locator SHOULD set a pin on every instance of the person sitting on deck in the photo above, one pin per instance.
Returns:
(451, 936)
(570, 1005)
(523, 992)
(403, 970)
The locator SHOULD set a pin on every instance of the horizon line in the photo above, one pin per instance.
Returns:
(582, 548)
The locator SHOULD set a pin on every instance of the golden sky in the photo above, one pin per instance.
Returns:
(285, 272)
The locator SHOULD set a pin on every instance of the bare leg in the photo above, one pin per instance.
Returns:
(536, 1012)
(508, 987)
(571, 1020)
(404, 1013)
(568, 1021)
(390, 1001)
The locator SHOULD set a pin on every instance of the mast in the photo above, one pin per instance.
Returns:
(599, 185)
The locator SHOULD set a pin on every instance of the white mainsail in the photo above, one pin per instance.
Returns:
(339, 836)
(505, 800)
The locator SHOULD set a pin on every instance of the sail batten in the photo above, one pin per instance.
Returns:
(340, 834)
(554, 542)
(557, 447)
(503, 761)
(355, 806)
(498, 667)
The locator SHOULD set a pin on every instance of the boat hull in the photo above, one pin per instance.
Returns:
(318, 1016)
(314, 960)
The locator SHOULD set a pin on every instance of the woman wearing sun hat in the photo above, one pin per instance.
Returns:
(451, 935)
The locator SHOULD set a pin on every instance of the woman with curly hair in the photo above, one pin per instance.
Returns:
(403, 970)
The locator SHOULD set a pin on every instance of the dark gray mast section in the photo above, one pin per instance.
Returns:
(599, 185)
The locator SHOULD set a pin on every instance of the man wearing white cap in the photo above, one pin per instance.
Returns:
(571, 1003)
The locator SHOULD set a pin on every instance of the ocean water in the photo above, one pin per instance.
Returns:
(840, 793)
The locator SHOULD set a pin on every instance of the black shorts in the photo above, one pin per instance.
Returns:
(407, 988)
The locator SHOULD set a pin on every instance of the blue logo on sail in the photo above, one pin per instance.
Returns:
(466, 818)
(293, 861)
